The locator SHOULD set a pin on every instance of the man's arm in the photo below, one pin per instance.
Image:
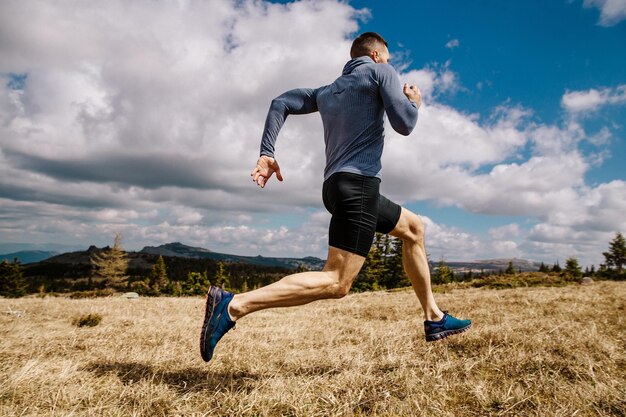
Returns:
(298, 101)
(401, 103)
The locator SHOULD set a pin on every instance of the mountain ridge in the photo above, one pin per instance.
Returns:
(181, 250)
(178, 249)
(28, 256)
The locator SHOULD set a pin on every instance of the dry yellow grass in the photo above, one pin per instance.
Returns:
(531, 352)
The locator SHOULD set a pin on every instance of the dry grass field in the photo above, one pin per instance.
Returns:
(538, 351)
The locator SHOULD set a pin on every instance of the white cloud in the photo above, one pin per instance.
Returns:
(147, 117)
(611, 11)
(434, 80)
(592, 99)
(509, 231)
(505, 249)
(449, 242)
(452, 43)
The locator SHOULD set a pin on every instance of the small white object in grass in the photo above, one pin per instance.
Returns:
(130, 295)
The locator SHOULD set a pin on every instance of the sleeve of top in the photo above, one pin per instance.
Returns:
(298, 101)
(401, 112)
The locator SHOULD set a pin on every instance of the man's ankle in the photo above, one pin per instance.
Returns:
(233, 312)
(433, 315)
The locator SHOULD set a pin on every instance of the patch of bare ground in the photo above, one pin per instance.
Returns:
(537, 351)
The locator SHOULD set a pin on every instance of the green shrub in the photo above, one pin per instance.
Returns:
(87, 320)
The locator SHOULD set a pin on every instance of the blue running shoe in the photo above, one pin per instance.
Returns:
(447, 326)
(216, 320)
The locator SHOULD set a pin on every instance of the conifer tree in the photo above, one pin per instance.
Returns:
(12, 282)
(112, 263)
(556, 267)
(443, 273)
(615, 258)
(221, 279)
(395, 276)
(368, 277)
(572, 269)
(196, 284)
(158, 279)
(510, 270)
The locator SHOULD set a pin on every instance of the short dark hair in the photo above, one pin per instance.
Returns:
(366, 43)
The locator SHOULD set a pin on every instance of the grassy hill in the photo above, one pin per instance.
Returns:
(533, 351)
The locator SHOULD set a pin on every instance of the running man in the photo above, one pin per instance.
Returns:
(352, 110)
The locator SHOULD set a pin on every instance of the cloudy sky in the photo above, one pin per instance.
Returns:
(145, 117)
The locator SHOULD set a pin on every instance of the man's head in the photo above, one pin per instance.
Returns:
(370, 44)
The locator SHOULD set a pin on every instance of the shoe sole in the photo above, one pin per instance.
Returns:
(208, 314)
(442, 335)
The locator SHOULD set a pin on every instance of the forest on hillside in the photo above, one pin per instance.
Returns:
(110, 270)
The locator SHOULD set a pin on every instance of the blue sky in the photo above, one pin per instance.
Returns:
(527, 53)
(145, 118)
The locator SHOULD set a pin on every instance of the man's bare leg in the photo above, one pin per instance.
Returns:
(333, 281)
(410, 229)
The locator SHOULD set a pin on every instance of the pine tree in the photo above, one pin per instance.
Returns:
(616, 256)
(221, 279)
(196, 284)
(510, 270)
(572, 269)
(543, 268)
(556, 267)
(158, 279)
(395, 275)
(443, 273)
(112, 262)
(175, 288)
(12, 282)
(141, 287)
(368, 277)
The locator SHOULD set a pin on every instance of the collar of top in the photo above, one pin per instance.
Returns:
(356, 62)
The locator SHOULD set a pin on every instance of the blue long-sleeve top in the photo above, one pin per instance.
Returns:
(352, 110)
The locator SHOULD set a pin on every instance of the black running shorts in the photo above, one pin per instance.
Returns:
(358, 211)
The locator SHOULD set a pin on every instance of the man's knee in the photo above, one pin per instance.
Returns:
(417, 229)
(341, 285)
(412, 228)
(341, 289)
(343, 266)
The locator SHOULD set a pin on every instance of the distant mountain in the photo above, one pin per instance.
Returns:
(10, 247)
(178, 249)
(85, 258)
(518, 264)
(28, 256)
(489, 265)
(75, 271)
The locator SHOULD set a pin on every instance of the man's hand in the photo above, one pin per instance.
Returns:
(413, 94)
(264, 169)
